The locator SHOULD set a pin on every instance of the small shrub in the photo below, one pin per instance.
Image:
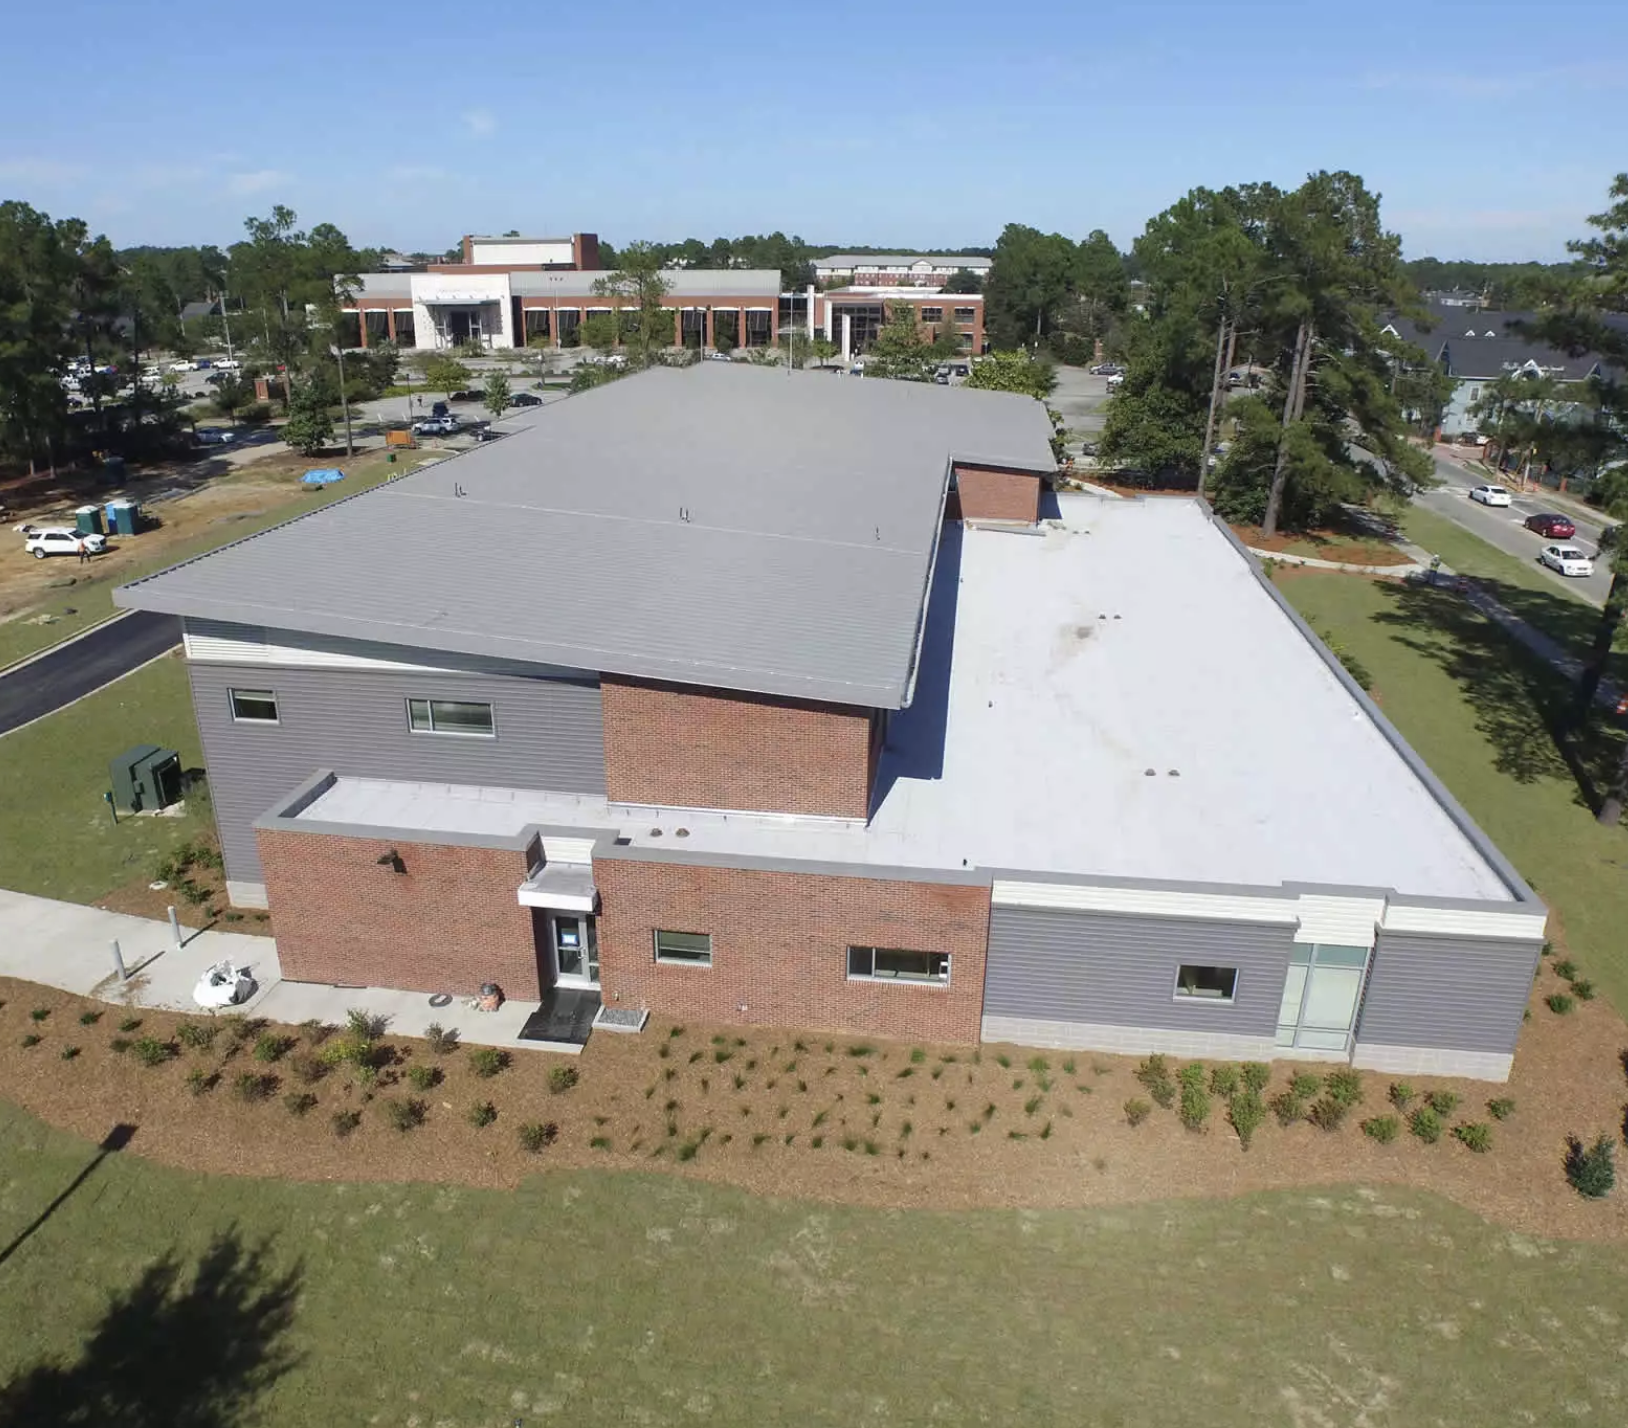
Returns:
(1287, 1107)
(1032, 1105)
(118, 1046)
(150, 1051)
(1592, 1170)
(1425, 1124)
(34, 1040)
(270, 1047)
(738, 1080)
(917, 1056)
(315, 1030)
(195, 1036)
(441, 1041)
(1191, 1075)
(1474, 1135)
(487, 1061)
(861, 1049)
(1136, 1111)
(1195, 1105)
(129, 1024)
(404, 1113)
(89, 1018)
(1247, 1114)
(1255, 1075)
(1224, 1081)
(1381, 1128)
(70, 1053)
(1344, 1086)
(562, 1079)
(1154, 1074)
(534, 1136)
(1560, 1003)
(664, 1051)
(199, 1081)
(1400, 1094)
(1583, 990)
(1566, 970)
(252, 1086)
(344, 1122)
(363, 1025)
(424, 1078)
(673, 1032)
(299, 1103)
(482, 1114)
(1305, 1085)
(307, 1069)
(1501, 1109)
(1443, 1103)
(602, 1142)
(39, 1014)
(1327, 1114)
(722, 1054)
(1039, 1065)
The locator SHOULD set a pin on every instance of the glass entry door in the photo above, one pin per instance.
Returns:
(576, 949)
(1321, 996)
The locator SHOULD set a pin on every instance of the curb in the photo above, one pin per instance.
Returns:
(27, 660)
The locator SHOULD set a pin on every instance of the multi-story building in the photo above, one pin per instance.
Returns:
(751, 696)
(887, 270)
(852, 317)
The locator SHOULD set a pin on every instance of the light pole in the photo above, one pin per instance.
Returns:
(344, 401)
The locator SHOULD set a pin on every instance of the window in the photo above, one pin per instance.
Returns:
(254, 706)
(964, 314)
(894, 964)
(449, 716)
(1211, 984)
(687, 949)
(932, 314)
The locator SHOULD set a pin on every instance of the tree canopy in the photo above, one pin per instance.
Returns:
(1046, 285)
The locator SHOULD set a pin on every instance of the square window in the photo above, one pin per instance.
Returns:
(450, 716)
(1213, 984)
(254, 706)
(688, 949)
(897, 964)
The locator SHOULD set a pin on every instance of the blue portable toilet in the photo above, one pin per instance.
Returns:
(123, 516)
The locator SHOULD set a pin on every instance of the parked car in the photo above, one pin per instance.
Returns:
(525, 399)
(216, 436)
(1567, 559)
(41, 541)
(1490, 495)
(438, 409)
(183, 365)
(228, 364)
(437, 426)
(1105, 369)
(719, 357)
(1548, 524)
(1116, 381)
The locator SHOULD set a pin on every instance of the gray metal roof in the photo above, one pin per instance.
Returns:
(1479, 344)
(735, 526)
(903, 260)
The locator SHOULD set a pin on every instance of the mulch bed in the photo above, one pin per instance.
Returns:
(895, 1123)
(1326, 545)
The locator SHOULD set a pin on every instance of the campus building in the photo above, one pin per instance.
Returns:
(852, 317)
(779, 700)
(887, 270)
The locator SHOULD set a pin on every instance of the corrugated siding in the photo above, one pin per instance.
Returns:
(549, 736)
(1458, 993)
(1109, 968)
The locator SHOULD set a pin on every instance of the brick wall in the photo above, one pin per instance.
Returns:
(779, 948)
(990, 495)
(448, 924)
(706, 748)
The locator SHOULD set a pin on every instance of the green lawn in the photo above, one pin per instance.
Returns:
(56, 838)
(1519, 585)
(624, 1298)
(1482, 713)
(91, 600)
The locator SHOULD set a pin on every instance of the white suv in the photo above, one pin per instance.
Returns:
(1490, 495)
(59, 540)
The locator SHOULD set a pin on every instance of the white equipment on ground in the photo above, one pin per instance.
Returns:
(223, 985)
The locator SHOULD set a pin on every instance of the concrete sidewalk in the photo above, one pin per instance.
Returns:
(62, 944)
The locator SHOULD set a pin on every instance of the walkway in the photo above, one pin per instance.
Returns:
(79, 666)
(62, 944)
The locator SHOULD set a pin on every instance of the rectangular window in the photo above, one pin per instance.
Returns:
(254, 706)
(964, 314)
(896, 964)
(932, 314)
(689, 949)
(1211, 984)
(450, 716)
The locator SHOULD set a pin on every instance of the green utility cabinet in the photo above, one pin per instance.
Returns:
(146, 778)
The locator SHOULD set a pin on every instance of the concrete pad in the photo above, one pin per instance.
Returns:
(408, 1013)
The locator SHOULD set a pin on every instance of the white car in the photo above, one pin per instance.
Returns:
(437, 426)
(228, 364)
(184, 365)
(41, 541)
(1490, 495)
(1567, 559)
(1116, 381)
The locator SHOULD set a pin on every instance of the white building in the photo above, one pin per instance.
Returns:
(899, 269)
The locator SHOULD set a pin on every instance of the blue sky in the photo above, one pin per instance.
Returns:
(1492, 130)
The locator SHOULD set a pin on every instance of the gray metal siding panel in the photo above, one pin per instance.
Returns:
(1454, 993)
(550, 735)
(1108, 968)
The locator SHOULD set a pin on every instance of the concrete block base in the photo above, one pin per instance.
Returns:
(1433, 1061)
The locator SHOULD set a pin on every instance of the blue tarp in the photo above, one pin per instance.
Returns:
(323, 476)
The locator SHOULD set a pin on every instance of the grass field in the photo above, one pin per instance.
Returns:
(1484, 714)
(56, 836)
(624, 1298)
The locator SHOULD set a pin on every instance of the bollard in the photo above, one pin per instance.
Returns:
(118, 961)
(175, 929)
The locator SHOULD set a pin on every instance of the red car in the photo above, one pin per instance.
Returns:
(1550, 526)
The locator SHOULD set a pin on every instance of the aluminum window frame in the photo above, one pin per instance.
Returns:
(433, 732)
(1205, 999)
(657, 933)
(896, 979)
(264, 695)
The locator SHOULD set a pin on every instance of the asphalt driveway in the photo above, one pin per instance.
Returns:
(81, 666)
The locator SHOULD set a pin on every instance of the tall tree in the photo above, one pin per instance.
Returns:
(35, 310)
(496, 399)
(1032, 274)
(638, 286)
(899, 349)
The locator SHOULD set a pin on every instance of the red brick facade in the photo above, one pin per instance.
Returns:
(448, 923)
(688, 747)
(779, 948)
(990, 495)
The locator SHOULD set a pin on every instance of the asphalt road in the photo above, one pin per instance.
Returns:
(78, 669)
(1501, 526)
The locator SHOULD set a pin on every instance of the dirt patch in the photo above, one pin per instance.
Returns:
(894, 1123)
(194, 884)
(1340, 547)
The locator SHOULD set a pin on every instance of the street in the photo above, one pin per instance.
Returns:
(73, 670)
(1501, 526)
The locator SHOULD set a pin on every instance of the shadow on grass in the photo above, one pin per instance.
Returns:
(173, 1350)
(1521, 704)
